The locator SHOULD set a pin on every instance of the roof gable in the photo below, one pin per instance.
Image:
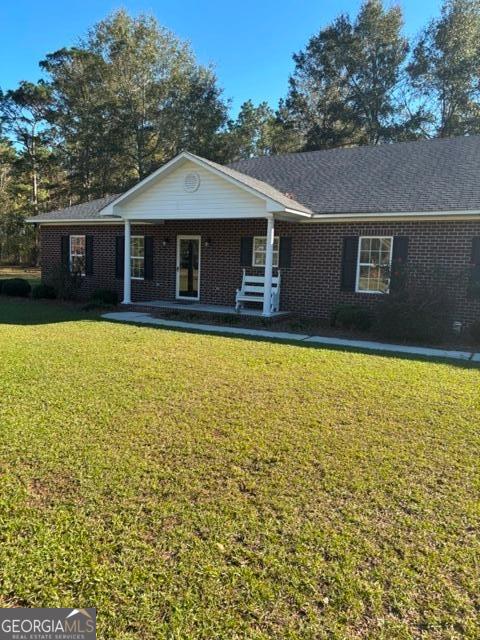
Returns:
(169, 197)
(153, 191)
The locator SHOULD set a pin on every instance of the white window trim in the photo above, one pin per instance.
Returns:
(261, 266)
(71, 255)
(137, 258)
(357, 280)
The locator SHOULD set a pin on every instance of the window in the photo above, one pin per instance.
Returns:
(260, 249)
(137, 248)
(77, 255)
(374, 261)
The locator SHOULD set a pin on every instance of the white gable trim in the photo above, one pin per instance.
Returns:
(271, 205)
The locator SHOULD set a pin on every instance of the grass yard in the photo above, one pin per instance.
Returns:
(198, 487)
(32, 274)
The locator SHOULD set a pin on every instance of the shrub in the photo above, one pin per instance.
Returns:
(104, 296)
(351, 316)
(16, 287)
(66, 284)
(474, 330)
(417, 315)
(43, 291)
(92, 306)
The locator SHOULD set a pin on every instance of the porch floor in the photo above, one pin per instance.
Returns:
(204, 308)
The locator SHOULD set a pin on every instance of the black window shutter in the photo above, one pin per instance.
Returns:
(475, 272)
(349, 263)
(65, 252)
(246, 250)
(399, 261)
(120, 257)
(285, 255)
(148, 264)
(89, 255)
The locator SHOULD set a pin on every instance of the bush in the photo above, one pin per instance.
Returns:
(351, 316)
(104, 296)
(93, 306)
(43, 291)
(66, 284)
(417, 315)
(16, 287)
(474, 330)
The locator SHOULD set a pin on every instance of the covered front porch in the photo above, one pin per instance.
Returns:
(196, 269)
(206, 211)
(208, 266)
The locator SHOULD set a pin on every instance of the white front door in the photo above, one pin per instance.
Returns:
(188, 267)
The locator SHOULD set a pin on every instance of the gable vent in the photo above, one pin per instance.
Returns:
(192, 182)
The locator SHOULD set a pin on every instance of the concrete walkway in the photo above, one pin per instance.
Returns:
(204, 308)
(367, 345)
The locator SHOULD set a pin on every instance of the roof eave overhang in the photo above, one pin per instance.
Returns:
(283, 213)
(274, 208)
(81, 221)
(395, 216)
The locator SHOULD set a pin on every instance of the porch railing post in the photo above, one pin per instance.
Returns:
(127, 268)
(267, 291)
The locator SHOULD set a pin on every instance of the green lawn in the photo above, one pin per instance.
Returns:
(193, 486)
(32, 274)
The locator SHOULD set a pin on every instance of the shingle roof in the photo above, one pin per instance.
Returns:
(258, 185)
(85, 211)
(422, 176)
(427, 175)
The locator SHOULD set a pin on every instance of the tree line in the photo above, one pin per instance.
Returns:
(130, 95)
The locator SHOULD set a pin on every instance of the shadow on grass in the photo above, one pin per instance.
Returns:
(23, 311)
(463, 364)
(18, 311)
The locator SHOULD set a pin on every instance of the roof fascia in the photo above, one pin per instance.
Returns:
(392, 216)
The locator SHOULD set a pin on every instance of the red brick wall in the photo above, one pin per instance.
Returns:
(311, 286)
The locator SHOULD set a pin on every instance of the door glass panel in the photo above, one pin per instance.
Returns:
(188, 268)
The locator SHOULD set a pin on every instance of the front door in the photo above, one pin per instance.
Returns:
(188, 267)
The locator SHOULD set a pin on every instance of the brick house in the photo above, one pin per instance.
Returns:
(335, 224)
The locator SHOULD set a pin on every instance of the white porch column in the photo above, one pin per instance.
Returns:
(127, 267)
(267, 292)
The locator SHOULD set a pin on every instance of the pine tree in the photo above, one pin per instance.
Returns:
(445, 70)
(345, 89)
(127, 99)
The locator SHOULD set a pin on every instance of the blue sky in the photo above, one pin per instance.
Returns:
(250, 42)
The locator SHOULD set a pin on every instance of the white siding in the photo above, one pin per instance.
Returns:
(215, 198)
